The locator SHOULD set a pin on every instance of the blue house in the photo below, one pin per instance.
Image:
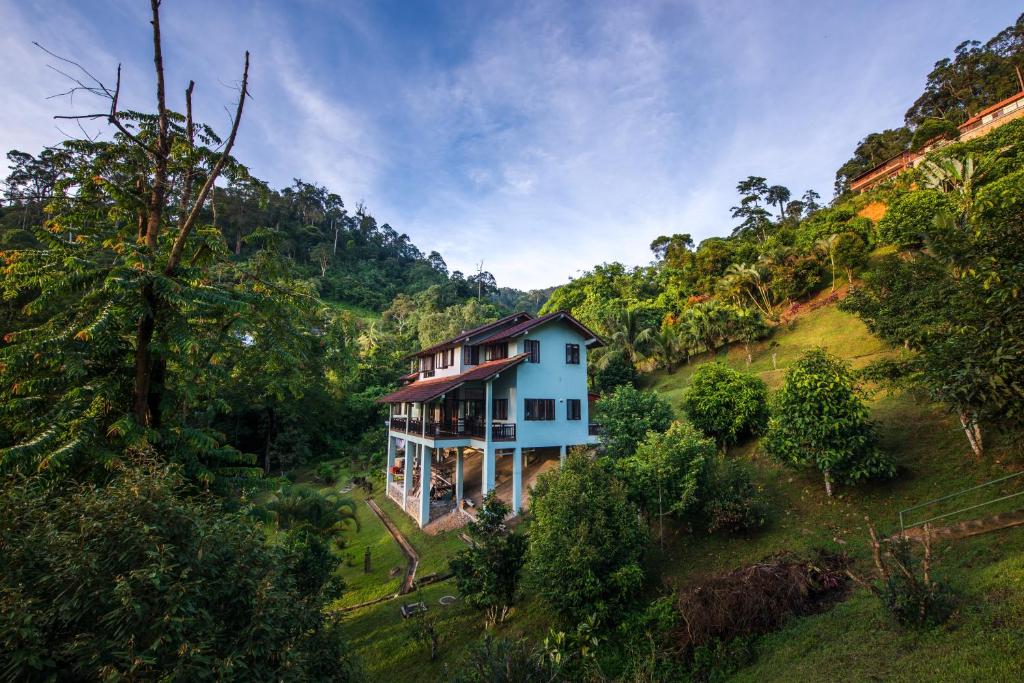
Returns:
(491, 408)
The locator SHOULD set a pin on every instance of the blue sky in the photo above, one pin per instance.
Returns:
(539, 137)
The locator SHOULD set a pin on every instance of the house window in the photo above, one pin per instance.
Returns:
(572, 409)
(497, 351)
(499, 409)
(540, 409)
(471, 355)
(451, 357)
(532, 347)
(572, 354)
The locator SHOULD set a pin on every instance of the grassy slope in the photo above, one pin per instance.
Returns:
(854, 641)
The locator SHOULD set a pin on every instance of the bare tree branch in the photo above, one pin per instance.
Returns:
(186, 226)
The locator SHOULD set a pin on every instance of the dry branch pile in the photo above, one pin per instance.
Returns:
(758, 598)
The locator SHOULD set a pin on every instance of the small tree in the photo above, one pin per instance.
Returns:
(627, 415)
(487, 572)
(911, 217)
(749, 326)
(851, 253)
(819, 420)
(586, 540)
(726, 404)
(424, 630)
(665, 473)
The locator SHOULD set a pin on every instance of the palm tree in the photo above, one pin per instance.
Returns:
(827, 247)
(663, 344)
(328, 515)
(623, 328)
(707, 322)
(751, 282)
(750, 326)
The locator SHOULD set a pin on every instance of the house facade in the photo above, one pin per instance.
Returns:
(489, 408)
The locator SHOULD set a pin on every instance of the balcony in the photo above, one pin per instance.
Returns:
(454, 429)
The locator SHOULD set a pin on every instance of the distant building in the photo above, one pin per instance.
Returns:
(980, 124)
(490, 408)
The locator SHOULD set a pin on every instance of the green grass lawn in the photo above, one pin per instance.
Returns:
(385, 555)
(855, 640)
(434, 551)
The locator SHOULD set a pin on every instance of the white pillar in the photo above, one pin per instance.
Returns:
(488, 465)
(561, 453)
(517, 479)
(458, 477)
(410, 453)
(426, 454)
(389, 477)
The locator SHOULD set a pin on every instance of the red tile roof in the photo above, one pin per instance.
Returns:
(466, 334)
(427, 389)
(527, 325)
(995, 107)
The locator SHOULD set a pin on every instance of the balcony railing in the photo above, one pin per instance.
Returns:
(503, 432)
(454, 429)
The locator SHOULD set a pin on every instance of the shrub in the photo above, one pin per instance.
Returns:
(717, 660)
(616, 372)
(905, 585)
(138, 579)
(911, 217)
(665, 474)
(326, 473)
(627, 414)
(758, 598)
(502, 660)
(725, 404)
(487, 572)
(732, 502)
(819, 420)
(586, 540)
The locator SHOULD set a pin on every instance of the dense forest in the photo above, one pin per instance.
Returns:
(179, 340)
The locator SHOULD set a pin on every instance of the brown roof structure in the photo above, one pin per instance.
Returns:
(527, 325)
(428, 389)
(467, 334)
(988, 110)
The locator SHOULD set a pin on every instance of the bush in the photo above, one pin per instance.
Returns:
(905, 585)
(911, 216)
(819, 420)
(627, 414)
(732, 502)
(487, 572)
(585, 542)
(717, 660)
(501, 660)
(758, 598)
(725, 404)
(326, 473)
(617, 372)
(137, 579)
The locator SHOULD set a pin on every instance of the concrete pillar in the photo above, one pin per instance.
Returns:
(488, 464)
(388, 476)
(489, 469)
(458, 477)
(517, 479)
(410, 453)
(426, 455)
(561, 454)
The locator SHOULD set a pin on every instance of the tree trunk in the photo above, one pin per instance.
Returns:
(144, 358)
(750, 358)
(973, 431)
(270, 436)
(828, 483)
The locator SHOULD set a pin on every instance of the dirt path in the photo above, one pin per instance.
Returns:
(407, 549)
